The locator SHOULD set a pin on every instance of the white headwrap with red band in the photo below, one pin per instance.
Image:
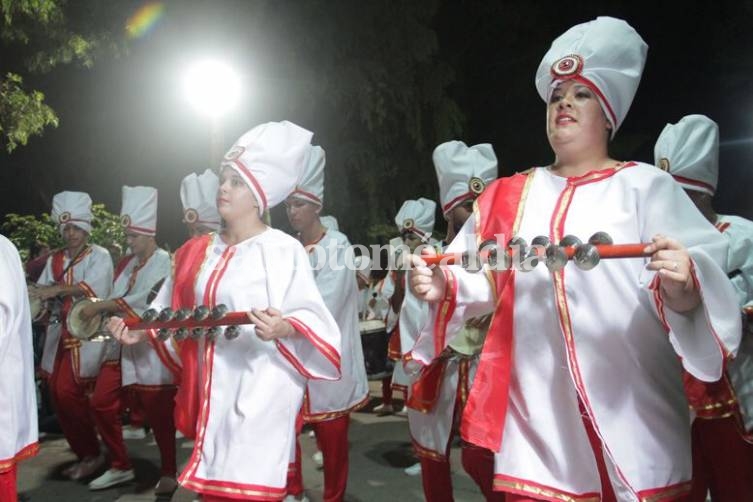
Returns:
(462, 171)
(311, 186)
(417, 216)
(689, 151)
(198, 195)
(606, 54)
(74, 208)
(271, 160)
(139, 211)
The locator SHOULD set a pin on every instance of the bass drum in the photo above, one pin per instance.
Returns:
(374, 341)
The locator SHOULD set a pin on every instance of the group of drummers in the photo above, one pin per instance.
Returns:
(563, 383)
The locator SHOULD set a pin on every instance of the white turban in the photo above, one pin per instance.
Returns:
(606, 54)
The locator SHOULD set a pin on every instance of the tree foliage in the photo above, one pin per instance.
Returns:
(25, 230)
(42, 35)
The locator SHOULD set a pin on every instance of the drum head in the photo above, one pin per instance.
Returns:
(371, 326)
(77, 327)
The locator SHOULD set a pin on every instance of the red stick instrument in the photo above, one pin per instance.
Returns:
(605, 251)
(229, 319)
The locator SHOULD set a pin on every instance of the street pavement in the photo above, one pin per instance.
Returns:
(379, 451)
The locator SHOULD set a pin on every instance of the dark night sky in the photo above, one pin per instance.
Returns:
(125, 120)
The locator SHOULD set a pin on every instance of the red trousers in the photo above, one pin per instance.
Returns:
(436, 477)
(72, 407)
(158, 404)
(106, 402)
(722, 461)
(387, 390)
(8, 485)
(131, 404)
(332, 440)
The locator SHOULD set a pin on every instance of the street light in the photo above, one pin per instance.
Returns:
(213, 88)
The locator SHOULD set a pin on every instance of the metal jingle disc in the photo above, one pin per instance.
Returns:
(541, 240)
(149, 315)
(183, 314)
(232, 332)
(197, 333)
(212, 333)
(201, 312)
(491, 249)
(586, 256)
(181, 334)
(166, 315)
(218, 312)
(163, 334)
(556, 258)
(570, 240)
(601, 238)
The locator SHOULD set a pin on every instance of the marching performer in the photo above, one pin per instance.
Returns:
(578, 389)
(722, 430)
(328, 404)
(239, 397)
(19, 417)
(198, 195)
(415, 222)
(440, 380)
(138, 367)
(76, 271)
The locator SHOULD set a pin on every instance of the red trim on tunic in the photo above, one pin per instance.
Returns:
(27, 451)
(327, 350)
(518, 486)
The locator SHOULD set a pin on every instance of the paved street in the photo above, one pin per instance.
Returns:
(379, 450)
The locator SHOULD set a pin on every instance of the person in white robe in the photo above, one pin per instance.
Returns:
(18, 421)
(438, 386)
(239, 396)
(328, 405)
(722, 430)
(136, 276)
(78, 270)
(415, 222)
(579, 389)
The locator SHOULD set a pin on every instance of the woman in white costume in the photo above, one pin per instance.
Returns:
(19, 417)
(579, 389)
(239, 398)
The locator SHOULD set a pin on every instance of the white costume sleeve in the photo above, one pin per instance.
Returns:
(18, 414)
(706, 335)
(333, 280)
(314, 350)
(97, 281)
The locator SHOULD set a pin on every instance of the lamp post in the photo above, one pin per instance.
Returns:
(213, 89)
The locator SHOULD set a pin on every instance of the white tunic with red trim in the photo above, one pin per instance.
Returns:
(18, 413)
(739, 234)
(92, 271)
(140, 363)
(337, 285)
(252, 390)
(602, 337)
